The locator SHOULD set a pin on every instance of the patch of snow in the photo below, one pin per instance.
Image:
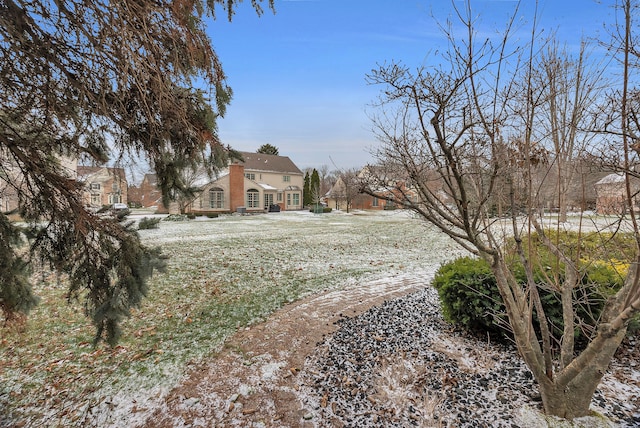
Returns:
(532, 418)
(270, 370)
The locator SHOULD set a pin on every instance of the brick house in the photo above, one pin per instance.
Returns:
(103, 185)
(252, 185)
(147, 194)
(611, 194)
(346, 191)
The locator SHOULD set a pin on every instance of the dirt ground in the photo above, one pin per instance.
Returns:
(252, 381)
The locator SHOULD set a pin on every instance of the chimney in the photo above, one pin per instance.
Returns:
(236, 186)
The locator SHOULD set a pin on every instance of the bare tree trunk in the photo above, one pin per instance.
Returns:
(566, 393)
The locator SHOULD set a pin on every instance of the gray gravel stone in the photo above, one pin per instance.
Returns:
(383, 369)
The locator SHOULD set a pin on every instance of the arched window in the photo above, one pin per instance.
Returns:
(253, 198)
(216, 198)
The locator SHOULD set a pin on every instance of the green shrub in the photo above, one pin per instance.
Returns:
(319, 209)
(212, 215)
(175, 217)
(149, 223)
(469, 295)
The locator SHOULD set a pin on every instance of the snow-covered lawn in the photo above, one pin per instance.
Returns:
(223, 274)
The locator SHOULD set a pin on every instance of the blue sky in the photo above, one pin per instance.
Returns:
(299, 76)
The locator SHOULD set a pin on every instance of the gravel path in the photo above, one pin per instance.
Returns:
(254, 381)
(378, 355)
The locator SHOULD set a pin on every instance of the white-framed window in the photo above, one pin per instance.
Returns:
(115, 186)
(286, 178)
(253, 198)
(279, 196)
(375, 202)
(216, 198)
(94, 186)
(296, 199)
(114, 198)
(288, 199)
(96, 199)
(250, 175)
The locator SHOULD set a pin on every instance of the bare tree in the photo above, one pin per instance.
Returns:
(455, 133)
(103, 81)
(566, 88)
(325, 183)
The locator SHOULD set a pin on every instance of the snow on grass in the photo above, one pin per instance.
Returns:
(222, 274)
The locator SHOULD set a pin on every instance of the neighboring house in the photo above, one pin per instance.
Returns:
(13, 182)
(337, 197)
(398, 192)
(103, 185)
(345, 193)
(134, 196)
(150, 194)
(611, 194)
(252, 185)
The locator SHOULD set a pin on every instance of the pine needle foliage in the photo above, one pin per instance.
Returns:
(16, 294)
(100, 82)
(268, 149)
(306, 191)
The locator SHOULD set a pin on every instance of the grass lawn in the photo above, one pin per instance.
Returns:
(222, 274)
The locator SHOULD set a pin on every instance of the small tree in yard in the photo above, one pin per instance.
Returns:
(306, 190)
(314, 187)
(98, 81)
(464, 136)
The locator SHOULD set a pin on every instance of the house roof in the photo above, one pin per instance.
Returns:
(266, 186)
(85, 171)
(269, 163)
(612, 179)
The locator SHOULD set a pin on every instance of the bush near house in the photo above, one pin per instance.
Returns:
(470, 297)
(148, 223)
(320, 209)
